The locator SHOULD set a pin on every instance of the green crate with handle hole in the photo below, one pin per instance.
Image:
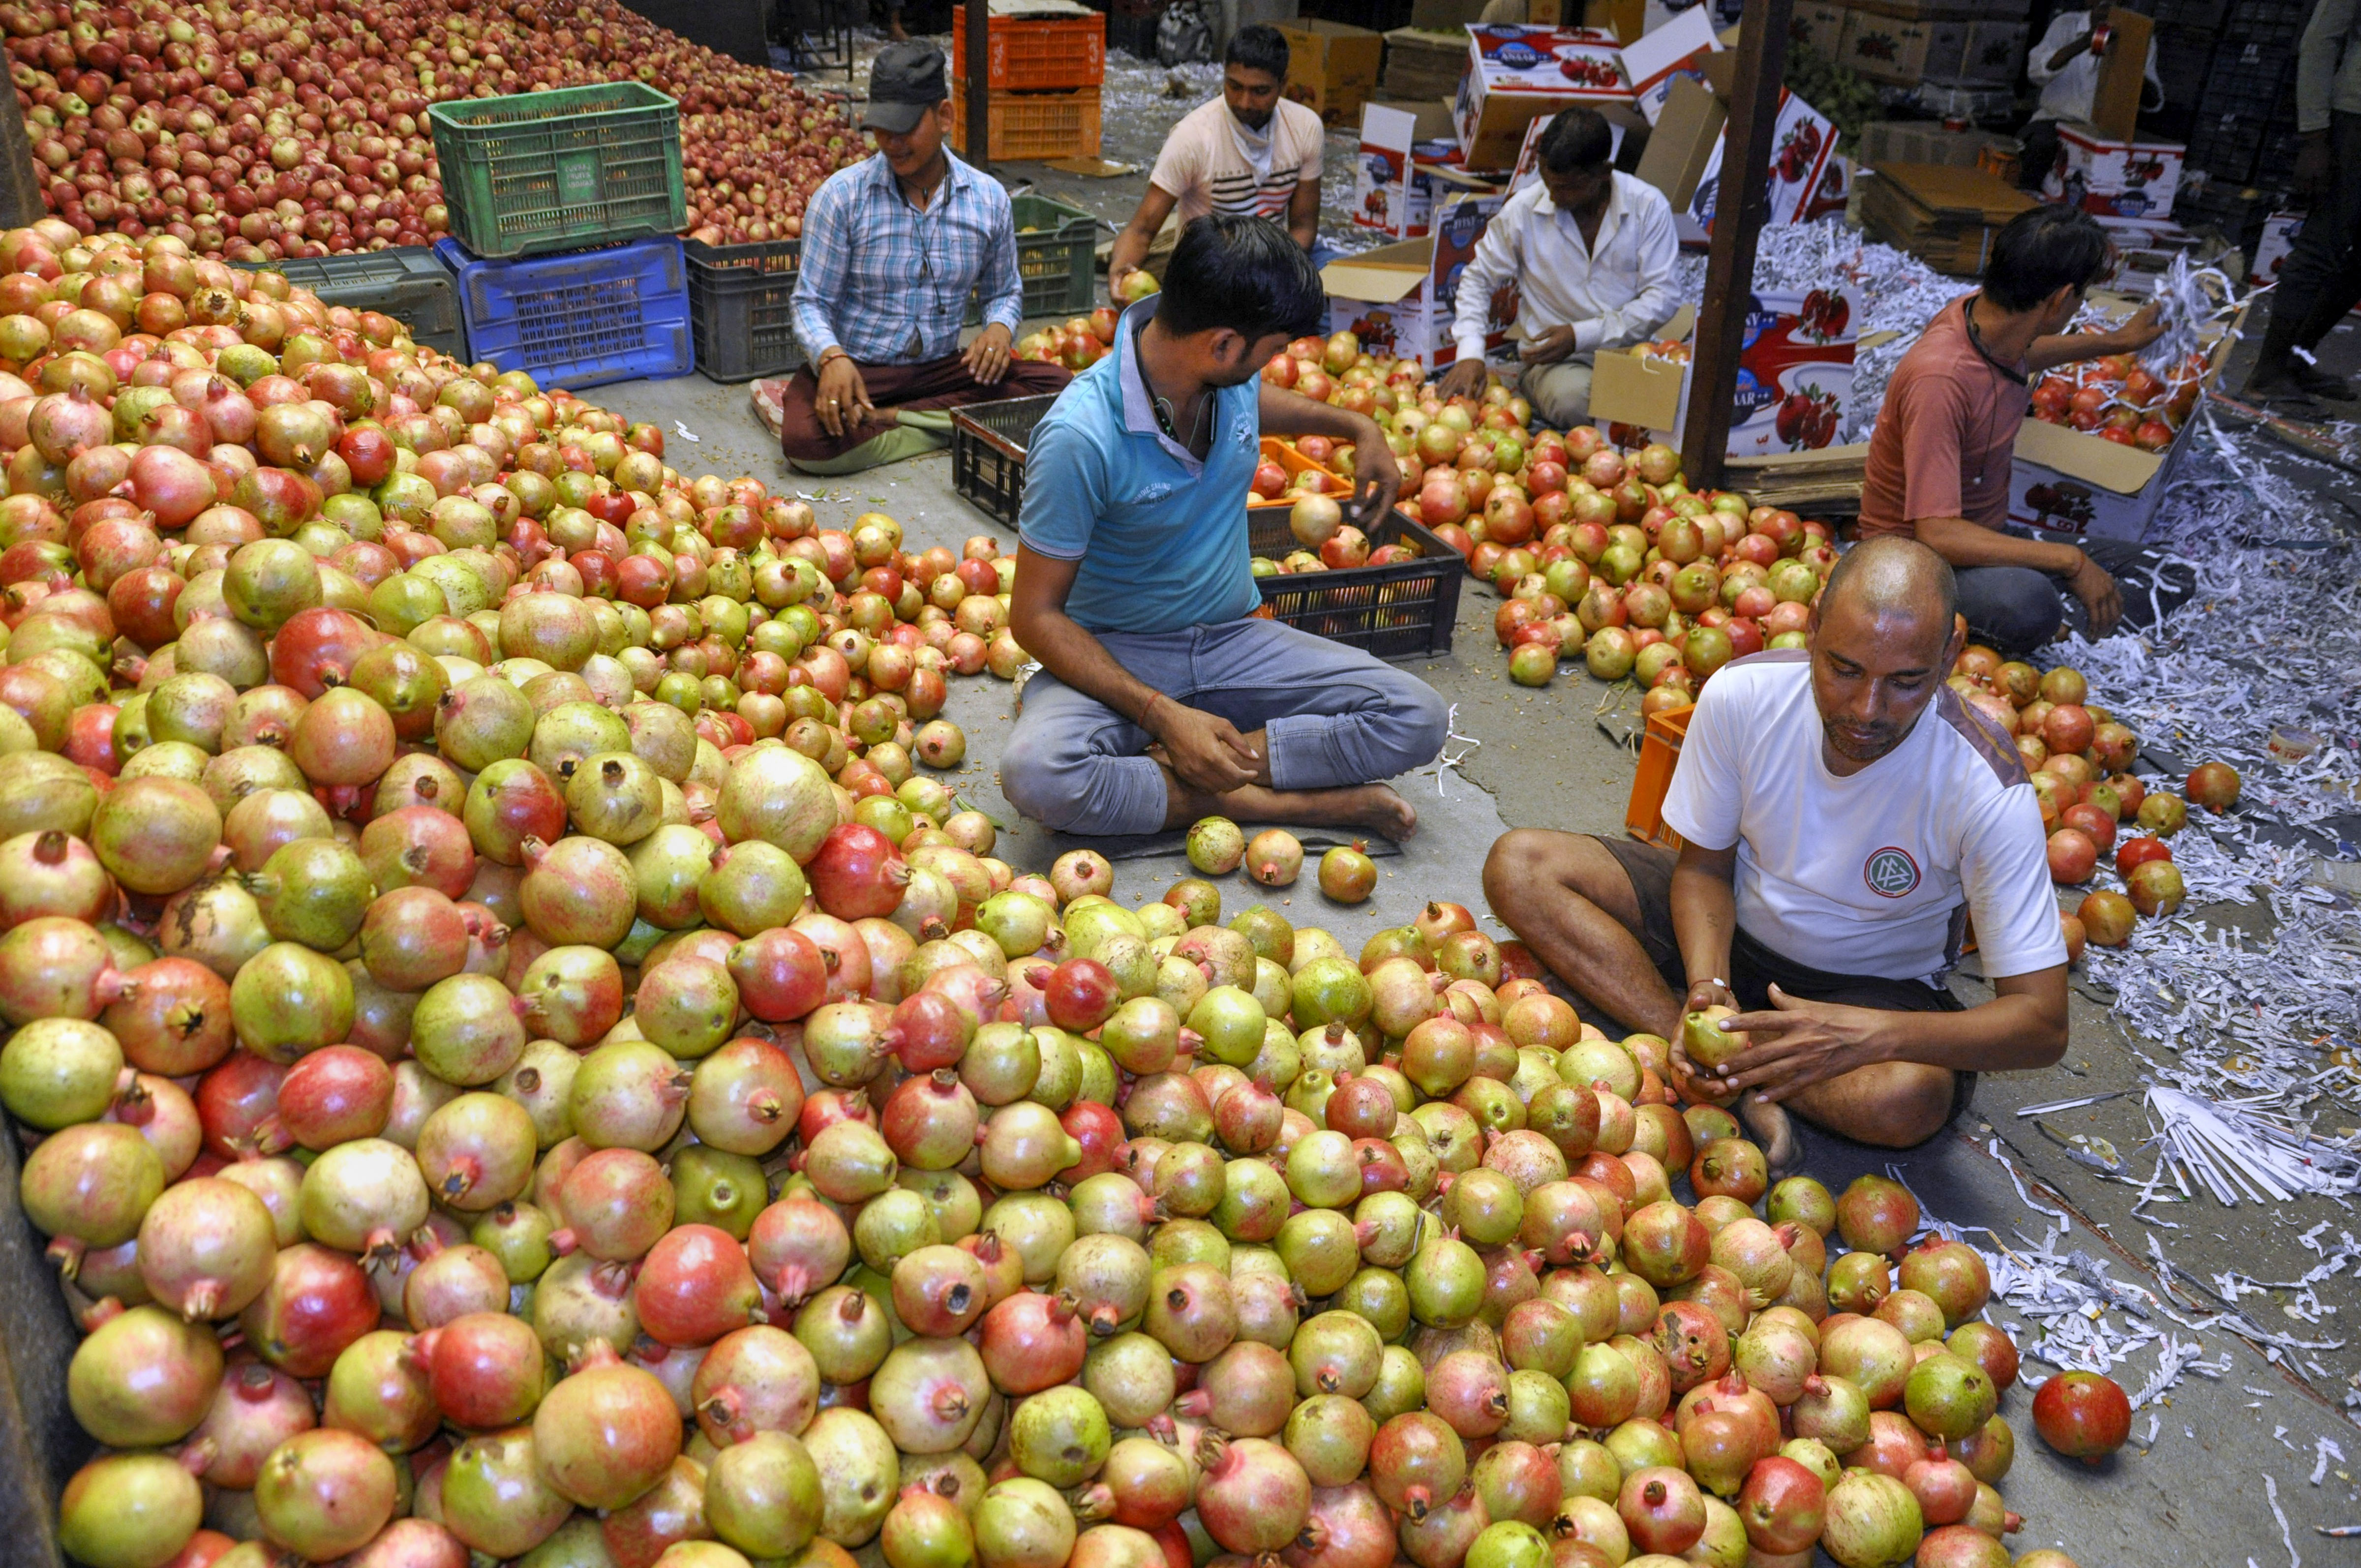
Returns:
(536, 172)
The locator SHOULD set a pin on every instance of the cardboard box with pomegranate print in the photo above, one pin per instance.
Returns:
(1794, 372)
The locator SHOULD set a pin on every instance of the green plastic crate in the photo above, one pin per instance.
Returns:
(1057, 262)
(559, 171)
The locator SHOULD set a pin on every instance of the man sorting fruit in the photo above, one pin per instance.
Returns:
(1590, 254)
(1842, 816)
(1250, 151)
(1163, 696)
(894, 249)
(1940, 456)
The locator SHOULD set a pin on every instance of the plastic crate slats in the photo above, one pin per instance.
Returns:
(405, 282)
(544, 172)
(578, 319)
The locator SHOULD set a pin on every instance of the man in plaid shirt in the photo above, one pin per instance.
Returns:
(892, 249)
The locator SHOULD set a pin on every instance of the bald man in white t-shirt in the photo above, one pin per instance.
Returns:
(1842, 814)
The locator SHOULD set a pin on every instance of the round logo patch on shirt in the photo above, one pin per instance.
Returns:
(1890, 872)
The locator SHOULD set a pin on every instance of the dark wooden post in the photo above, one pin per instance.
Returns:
(979, 82)
(1740, 208)
(20, 182)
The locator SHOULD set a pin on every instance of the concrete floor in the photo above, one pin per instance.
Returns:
(1551, 758)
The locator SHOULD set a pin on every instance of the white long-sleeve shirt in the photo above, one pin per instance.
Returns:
(2068, 91)
(2328, 66)
(1612, 294)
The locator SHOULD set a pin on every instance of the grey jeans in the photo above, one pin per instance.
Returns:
(1559, 392)
(1332, 716)
(2017, 608)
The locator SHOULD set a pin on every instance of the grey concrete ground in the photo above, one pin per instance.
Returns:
(2198, 1494)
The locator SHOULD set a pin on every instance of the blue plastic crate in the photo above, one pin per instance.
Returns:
(580, 317)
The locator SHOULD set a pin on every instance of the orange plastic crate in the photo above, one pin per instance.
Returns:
(1034, 124)
(1284, 453)
(1036, 53)
(1660, 750)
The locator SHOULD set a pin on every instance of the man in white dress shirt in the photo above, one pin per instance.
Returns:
(1590, 252)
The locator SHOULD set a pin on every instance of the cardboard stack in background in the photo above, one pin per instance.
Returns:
(1943, 215)
(1332, 67)
(1905, 43)
(1422, 65)
(1972, 44)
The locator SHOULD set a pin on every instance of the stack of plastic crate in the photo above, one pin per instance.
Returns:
(1045, 73)
(564, 212)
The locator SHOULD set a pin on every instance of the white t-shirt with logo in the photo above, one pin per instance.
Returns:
(1875, 873)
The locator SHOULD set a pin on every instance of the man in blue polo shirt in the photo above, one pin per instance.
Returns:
(1162, 698)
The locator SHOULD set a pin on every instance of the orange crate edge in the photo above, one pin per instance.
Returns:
(1660, 751)
(1032, 53)
(1034, 124)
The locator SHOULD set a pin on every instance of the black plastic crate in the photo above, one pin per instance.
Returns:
(2226, 151)
(2246, 15)
(2205, 14)
(2235, 212)
(2182, 63)
(1131, 27)
(740, 308)
(405, 282)
(1404, 609)
(2249, 79)
(988, 444)
(1401, 610)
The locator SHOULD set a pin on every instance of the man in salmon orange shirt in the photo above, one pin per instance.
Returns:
(1940, 456)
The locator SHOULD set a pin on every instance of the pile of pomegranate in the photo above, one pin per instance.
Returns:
(2117, 399)
(1077, 343)
(2080, 760)
(1599, 554)
(300, 129)
(514, 1062)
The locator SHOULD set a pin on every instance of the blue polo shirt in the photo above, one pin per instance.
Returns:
(1161, 537)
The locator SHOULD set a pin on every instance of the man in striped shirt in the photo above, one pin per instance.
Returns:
(894, 249)
(1249, 153)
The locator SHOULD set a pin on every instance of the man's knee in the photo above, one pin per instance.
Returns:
(1032, 377)
(1422, 721)
(1042, 778)
(2018, 613)
(1905, 1104)
(1560, 402)
(801, 438)
(1520, 864)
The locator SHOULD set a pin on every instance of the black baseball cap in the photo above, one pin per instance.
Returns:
(905, 81)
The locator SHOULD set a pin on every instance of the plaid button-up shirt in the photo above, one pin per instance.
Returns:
(889, 283)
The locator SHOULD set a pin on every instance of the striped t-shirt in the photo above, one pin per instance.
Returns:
(1202, 167)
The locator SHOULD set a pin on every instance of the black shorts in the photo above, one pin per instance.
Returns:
(1755, 969)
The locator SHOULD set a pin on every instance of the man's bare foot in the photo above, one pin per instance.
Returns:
(1775, 1131)
(1370, 808)
(1376, 808)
